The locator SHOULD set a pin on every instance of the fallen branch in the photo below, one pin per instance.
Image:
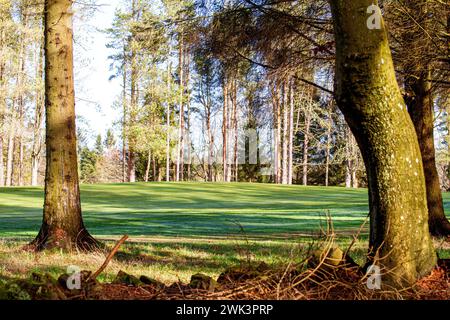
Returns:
(108, 258)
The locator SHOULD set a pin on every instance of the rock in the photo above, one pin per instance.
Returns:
(204, 282)
(85, 283)
(151, 282)
(127, 279)
(334, 261)
(243, 273)
(334, 257)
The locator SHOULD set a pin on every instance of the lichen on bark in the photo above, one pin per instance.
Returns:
(368, 94)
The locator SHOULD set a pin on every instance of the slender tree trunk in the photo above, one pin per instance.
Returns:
(328, 147)
(291, 132)
(180, 144)
(348, 159)
(370, 99)
(210, 143)
(229, 130)
(306, 142)
(188, 120)
(354, 163)
(134, 97)
(2, 111)
(147, 168)
(10, 157)
(285, 133)
(124, 120)
(277, 134)
(235, 132)
(224, 130)
(155, 166)
(169, 74)
(62, 225)
(21, 167)
(38, 119)
(2, 174)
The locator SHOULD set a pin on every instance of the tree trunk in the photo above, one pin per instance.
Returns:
(306, 142)
(2, 111)
(348, 158)
(155, 165)
(224, 130)
(10, 157)
(235, 132)
(210, 143)
(134, 97)
(62, 225)
(20, 178)
(180, 144)
(328, 147)
(370, 99)
(419, 99)
(147, 168)
(38, 119)
(355, 163)
(277, 133)
(124, 120)
(169, 74)
(188, 120)
(420, 106)
(285, 133)
(291, 132)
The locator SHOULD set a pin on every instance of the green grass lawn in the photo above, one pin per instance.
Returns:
(178, 229)
(193, 209)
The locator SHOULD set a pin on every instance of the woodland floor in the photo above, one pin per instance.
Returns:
(178, 230)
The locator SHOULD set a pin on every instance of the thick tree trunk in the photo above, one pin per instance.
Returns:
(420, 107)
(370, 99)
(419, 99)
(62, 225)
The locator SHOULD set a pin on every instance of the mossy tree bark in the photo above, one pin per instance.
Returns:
(368, 94)
(62, 225)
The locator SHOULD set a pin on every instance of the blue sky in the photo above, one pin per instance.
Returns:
(95, 93)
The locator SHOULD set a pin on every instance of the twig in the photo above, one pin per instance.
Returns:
(108, 258)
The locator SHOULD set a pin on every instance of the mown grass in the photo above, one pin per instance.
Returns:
(177, 230)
